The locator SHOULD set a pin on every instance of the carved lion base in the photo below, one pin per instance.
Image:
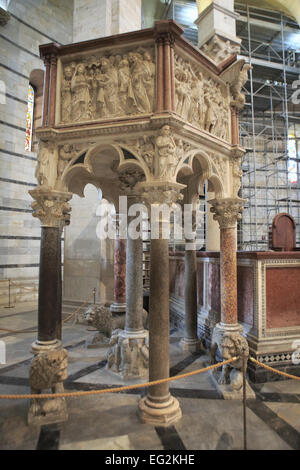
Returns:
(228, 342)
(47, 372)
(128, 354)
(159, 414)
(105, 320)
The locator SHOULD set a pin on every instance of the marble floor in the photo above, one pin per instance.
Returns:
(110, 421)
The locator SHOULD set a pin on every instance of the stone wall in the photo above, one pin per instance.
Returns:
(31, 23)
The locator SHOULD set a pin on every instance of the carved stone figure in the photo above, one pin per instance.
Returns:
(80, 94)
(231, 344)
(237, 86)
(66, 94)
(48, 370)
(166, 150)
(46, 170)
(141, 80)
(147, 150)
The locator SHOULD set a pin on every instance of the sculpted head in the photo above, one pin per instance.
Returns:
(165, 130)
(68, 72)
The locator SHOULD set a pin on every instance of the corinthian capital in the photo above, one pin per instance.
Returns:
(227, 211)
(51, 207)
(157, 192)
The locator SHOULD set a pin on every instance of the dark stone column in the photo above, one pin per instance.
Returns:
(49, 291)
(159, 407)
(119, 305)
(134, 286)
(49, 366)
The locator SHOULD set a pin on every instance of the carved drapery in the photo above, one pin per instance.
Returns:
(108, 85)
(201, 99)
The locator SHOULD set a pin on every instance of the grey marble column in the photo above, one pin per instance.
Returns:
(129, 352)
(190, 342)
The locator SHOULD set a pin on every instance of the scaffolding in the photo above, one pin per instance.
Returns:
(270, 121)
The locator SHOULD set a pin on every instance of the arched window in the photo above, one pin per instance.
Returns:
(29, 118)
(34, 108)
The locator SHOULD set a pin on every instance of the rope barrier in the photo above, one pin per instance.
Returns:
(285, 374)
(115, 389)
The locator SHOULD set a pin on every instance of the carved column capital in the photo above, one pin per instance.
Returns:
(128, 179)
(51, 207)
(227, 211)
(160, 192)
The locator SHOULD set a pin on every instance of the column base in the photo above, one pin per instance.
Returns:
(118, 308)
(128, 355)
(159, 414)
(48, 370)
(191, 345)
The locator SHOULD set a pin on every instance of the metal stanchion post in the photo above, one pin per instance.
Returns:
(244, 401)
(9, 304)
(94, 292)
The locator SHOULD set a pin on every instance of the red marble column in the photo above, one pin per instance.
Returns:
(228, 267)
(160, 75)
(227, 212)
(234, 126)
(52, 93)
(167, 75)
(46, 90)
(172, 76)
(119, 304)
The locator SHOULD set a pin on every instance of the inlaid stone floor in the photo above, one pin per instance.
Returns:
(110, 421)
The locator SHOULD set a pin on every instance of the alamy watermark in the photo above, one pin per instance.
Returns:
(162, 221)
(295, 98)
(2, 352)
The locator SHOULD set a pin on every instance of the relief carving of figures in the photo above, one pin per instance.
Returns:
(108, 86)
(200, 99)
(46, 170)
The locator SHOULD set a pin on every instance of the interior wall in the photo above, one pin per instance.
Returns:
(31, 23)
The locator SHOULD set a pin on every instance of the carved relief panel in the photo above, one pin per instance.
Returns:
(108, 85)
(201, 99)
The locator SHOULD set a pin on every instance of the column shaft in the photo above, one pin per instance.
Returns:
(159, 327)
(228, 276)
(48, 303)
(134, 286)
(119, 304)
(190, 294)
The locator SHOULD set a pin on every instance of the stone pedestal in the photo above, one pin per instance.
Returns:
(49, 366)
(190, 342)
(217, 29)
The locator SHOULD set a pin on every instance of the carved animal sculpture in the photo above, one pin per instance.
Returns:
(230, 345)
